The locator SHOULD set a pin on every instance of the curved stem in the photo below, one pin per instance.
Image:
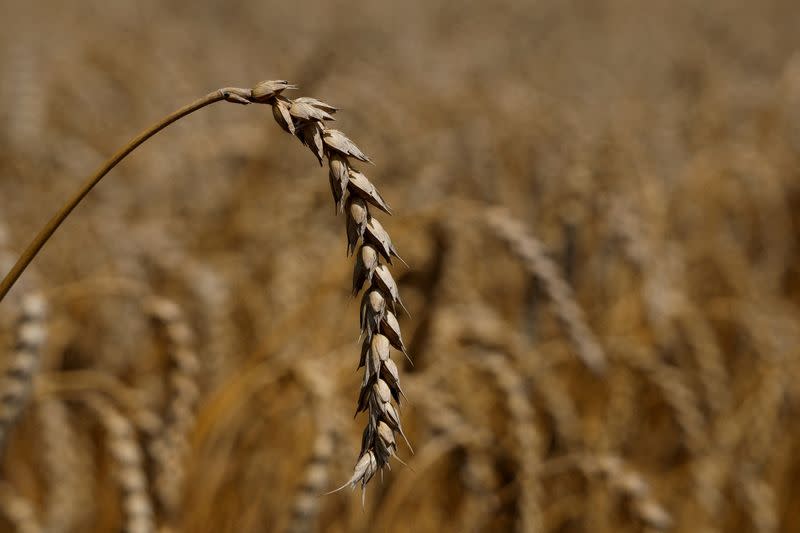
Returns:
(230, 93)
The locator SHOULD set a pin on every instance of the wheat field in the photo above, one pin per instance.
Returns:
(599, 207)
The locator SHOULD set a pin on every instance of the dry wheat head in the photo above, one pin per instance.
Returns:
(356, 197)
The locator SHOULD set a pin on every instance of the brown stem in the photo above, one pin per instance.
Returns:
(231, 94)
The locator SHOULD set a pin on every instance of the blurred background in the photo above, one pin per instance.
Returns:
(599, 203)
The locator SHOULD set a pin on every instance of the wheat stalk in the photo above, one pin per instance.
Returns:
(229, 94)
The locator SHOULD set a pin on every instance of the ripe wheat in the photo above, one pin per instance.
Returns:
(356, 196)
(353, 193)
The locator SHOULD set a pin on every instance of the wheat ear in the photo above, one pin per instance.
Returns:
(357, 197)
(531, 252)
(171, 446)
(15, 384)
(128, 461)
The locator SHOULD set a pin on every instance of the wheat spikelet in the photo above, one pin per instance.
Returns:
(170, 447)
(18, 510)
(129, 471)
(356, 196)
(15, 385)
(538, 264)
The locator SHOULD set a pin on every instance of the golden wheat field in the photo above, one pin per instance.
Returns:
(599, 207)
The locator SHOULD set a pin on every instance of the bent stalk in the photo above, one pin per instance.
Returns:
(231, 94)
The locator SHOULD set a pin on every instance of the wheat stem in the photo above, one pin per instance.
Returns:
(231, 94)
